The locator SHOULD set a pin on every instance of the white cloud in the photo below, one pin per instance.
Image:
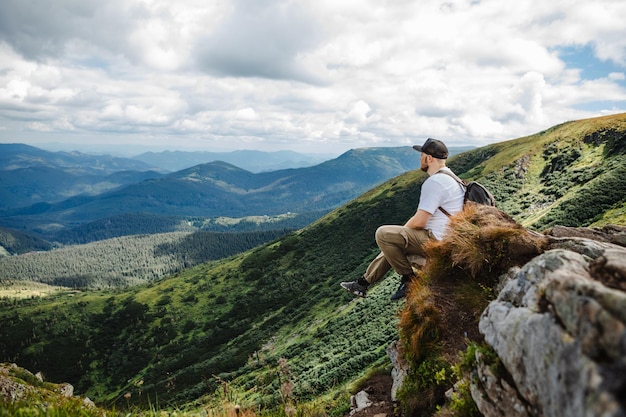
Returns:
(310, 76)
(259, 39)
(247, 114)
(358, 113)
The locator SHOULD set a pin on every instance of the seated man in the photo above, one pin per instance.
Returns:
(429, 222)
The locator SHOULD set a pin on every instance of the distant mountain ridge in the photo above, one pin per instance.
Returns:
(221, 189)
(17, 155)
(250, 160)
(29, 175)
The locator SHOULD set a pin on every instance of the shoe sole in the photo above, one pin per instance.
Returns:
(352, 292)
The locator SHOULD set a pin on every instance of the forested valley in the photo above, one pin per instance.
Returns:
(128, 260)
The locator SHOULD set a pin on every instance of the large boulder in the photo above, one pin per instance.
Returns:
(559, 328)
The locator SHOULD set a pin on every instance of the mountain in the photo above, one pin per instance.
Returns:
(202, 192)
(253, 161)
(16, 156)
(270, 327)
(29, 175)
(145, 223)
(220, 189)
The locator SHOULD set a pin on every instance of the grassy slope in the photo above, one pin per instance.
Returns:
(233, 320)
(573, 174)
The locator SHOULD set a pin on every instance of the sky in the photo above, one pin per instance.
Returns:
(319, 76)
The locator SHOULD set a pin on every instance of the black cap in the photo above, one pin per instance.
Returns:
(433, 147)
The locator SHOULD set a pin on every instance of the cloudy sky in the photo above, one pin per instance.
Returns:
(310, 76)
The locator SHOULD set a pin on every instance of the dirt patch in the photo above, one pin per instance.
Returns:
(378, 389)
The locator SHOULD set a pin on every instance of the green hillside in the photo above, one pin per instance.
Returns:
(573, 174)
(245, 326)
(206, 322)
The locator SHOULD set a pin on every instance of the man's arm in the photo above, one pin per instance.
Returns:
(419, 219)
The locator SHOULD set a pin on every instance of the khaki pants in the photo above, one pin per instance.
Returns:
(395, 243)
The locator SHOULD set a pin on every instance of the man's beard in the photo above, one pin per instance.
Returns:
(424, 168)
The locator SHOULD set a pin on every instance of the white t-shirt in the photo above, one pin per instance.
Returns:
(440, 190)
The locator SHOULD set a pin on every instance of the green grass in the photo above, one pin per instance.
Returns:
(616, 215)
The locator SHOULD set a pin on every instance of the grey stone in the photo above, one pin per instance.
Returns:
(560, 333)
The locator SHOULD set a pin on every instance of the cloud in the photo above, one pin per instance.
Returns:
(309, 76)
(40, 30)
(260, 39)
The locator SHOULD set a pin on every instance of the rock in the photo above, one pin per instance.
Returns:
(610, 269)
(16, 384)
(611, 233)
(400, 368)
(11, 389)
(360, 401)
(560, 334)
(493, 395)
(66, 390)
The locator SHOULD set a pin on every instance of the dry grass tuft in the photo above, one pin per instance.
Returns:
(483, 241)
(422, 320)
(452, 290)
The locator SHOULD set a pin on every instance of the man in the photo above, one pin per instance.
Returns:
(428, 223)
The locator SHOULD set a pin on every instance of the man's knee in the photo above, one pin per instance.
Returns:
(380, 233)
(387, 233)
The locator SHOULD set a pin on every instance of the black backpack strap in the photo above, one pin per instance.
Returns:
(457, 179)
(451, 174)
(444, 211)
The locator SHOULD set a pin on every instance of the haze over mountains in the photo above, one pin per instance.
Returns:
(253, 161)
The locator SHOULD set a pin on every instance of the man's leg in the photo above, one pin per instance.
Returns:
(377, 269)
(396, 242)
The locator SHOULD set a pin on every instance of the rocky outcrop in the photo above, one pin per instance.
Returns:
(610, 233)
(558, 330)
(18, 384)
(558, 327)
(400, 368)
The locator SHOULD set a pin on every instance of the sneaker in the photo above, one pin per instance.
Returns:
(355, 288)
(401, 292)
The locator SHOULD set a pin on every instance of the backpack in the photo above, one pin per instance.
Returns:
(474, 192)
